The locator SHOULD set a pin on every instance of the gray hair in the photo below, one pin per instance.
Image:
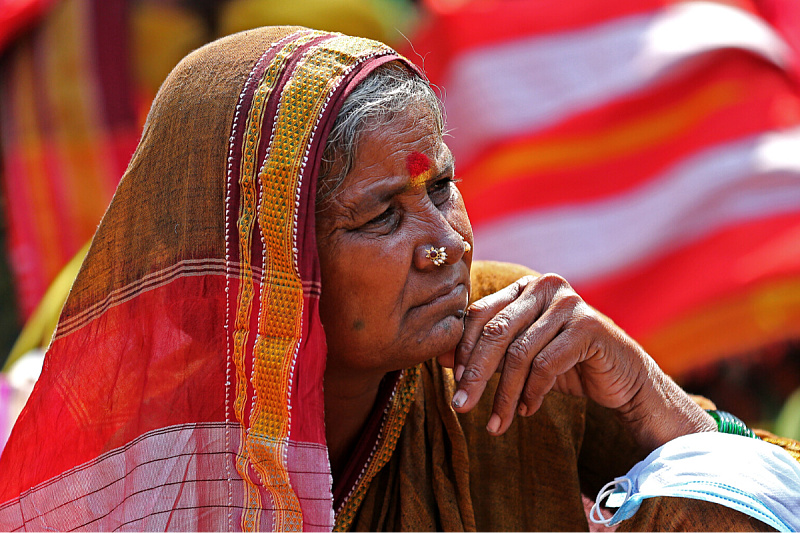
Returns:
(387, 91)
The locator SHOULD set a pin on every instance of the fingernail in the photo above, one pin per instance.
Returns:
(459, 398)
(459, 372)
(494, 423)
(522, 409)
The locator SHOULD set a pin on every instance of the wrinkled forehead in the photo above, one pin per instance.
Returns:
(404, 156)
(410, 147)
(382, 100)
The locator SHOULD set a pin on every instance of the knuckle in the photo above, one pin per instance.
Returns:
(532, 394)
(528, 296)
(521, 284)
(464, 348)
(588, 319)
(471, 376)
(497, 328)
(529, 395)
(590, 312)
(542, 364)
(540, 379)
(585, 319)
(518, 353)
(553, 281)
(570, 300)
(477, 309)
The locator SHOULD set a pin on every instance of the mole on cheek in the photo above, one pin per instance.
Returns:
(419, 168)
(358, 325)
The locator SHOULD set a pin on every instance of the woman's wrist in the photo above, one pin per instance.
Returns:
(661, 411)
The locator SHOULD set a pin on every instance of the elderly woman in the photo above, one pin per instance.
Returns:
(272, 330)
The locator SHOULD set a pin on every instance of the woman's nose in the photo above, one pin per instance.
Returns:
(434, 253)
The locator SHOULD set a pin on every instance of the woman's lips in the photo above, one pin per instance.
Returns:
(454, 296)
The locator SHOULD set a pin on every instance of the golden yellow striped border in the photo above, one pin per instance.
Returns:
(247, 213)
(302, 101)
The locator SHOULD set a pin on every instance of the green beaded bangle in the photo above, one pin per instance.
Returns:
(727, 423)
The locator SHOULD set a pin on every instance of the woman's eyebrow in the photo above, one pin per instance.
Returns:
(383, 192)
(378, 194)
(449, 168)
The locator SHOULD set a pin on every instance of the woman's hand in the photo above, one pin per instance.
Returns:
(540, 335)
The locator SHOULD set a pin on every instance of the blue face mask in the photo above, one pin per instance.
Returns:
(752, 476)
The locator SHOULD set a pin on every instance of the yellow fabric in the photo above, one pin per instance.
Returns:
(40, 326)
(162, 34)
(790, 445)
(374, 19)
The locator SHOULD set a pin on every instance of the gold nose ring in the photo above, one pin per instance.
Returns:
(467, 247)
(437, 255)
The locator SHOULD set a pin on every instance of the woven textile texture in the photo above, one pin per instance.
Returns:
(183, 386)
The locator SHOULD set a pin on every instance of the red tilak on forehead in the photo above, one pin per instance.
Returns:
(417, 163)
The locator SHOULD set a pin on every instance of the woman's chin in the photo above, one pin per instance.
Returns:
(447, 333)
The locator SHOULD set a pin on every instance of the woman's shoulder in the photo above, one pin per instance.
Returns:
(490, 276)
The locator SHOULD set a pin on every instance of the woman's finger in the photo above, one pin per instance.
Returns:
(552, 361)
(569, 347)
(479, 314)
(518, 359)
(488, 352)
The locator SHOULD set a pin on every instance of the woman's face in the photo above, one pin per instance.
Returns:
(385, 305)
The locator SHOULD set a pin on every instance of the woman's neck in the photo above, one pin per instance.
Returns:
(348, 404)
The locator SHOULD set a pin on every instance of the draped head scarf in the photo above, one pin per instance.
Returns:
(183, 386)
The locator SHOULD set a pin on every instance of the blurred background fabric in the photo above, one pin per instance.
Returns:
(77, 80)
(69, 126)
(647, 150)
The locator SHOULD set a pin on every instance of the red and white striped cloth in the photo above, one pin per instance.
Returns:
(648, 151)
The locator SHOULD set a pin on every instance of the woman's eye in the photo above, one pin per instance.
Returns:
(386, 218)
(440, 190)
